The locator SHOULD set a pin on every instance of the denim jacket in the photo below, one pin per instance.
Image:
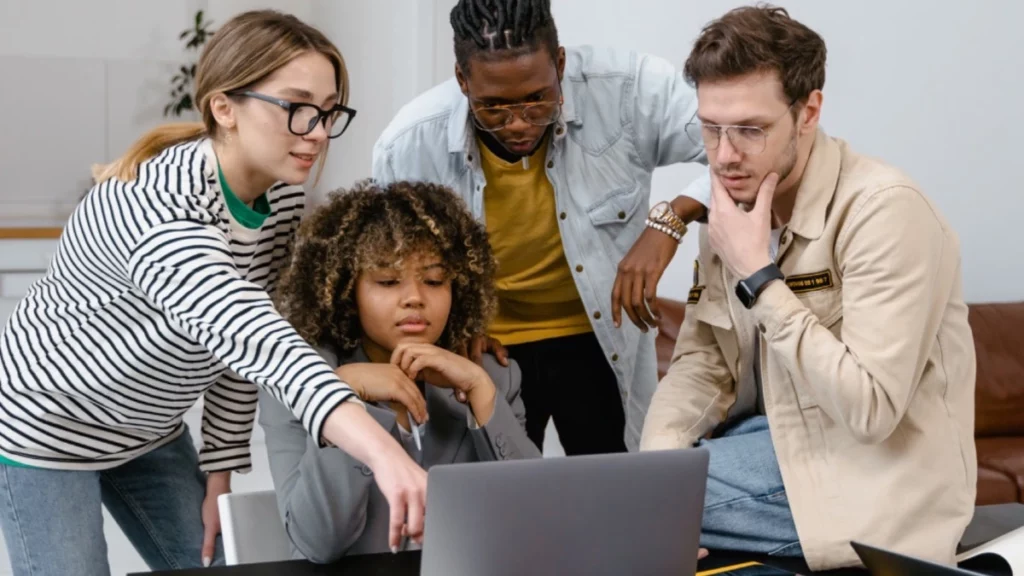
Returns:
(624, 115)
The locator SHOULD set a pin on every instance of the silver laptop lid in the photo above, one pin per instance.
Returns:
(637, 513)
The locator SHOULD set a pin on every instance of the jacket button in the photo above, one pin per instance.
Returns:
(551, 164)
(597, 315)
(562, 215)
(559, 130)
(615, 357)
(366, 470)
(622, 215)
(469, 158)
(500, 440)
(579, 267)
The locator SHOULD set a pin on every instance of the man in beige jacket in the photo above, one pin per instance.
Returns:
(825, 360)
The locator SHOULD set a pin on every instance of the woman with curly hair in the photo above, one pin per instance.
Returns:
(391, 285)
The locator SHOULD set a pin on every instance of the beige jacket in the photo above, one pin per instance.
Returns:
(867, 362)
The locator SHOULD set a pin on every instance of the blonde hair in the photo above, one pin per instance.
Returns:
(244, 51)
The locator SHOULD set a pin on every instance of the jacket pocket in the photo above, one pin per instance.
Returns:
(617, 207)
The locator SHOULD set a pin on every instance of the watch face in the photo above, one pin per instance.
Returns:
(745, 295)
(659, 210)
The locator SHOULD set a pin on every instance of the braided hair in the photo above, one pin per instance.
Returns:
(502, 28)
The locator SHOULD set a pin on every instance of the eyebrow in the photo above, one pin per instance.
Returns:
(307, 95)
(751, 121)
(432, 266)
(531, 96)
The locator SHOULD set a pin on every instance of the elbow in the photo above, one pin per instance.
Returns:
(873, 429)
(319, 546)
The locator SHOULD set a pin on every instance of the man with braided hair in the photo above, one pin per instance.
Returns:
(553, 148)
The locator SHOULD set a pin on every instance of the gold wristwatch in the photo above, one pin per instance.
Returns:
(663, 219)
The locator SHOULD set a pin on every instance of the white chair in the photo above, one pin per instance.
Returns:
(251, 528)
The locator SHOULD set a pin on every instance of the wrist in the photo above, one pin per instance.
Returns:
(687, 209)
(219, 479)
(752, 267)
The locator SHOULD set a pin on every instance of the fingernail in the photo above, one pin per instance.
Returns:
(394, 549)
(206, 561)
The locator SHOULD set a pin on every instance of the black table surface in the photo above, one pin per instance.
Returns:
(989, 523)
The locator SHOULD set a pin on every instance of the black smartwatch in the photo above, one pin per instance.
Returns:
(748, 289)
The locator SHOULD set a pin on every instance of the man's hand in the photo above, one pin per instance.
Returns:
(217, 483)
(481, 344)
(742, 239)
(636, 284)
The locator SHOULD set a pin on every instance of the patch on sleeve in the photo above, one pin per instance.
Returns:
(810, 282)
(695, 293)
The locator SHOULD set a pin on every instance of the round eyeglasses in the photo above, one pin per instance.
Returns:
(303, 117)
(745, 139)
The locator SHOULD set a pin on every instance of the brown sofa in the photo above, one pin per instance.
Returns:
(999, 397)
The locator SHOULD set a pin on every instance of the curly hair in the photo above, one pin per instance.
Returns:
(371, 226)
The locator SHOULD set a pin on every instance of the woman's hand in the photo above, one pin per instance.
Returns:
(446, 369)
(217, 483)
(402, 481)
(439, 367)
(384, 383)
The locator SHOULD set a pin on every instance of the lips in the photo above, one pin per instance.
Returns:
(305, 160)
(414, 324)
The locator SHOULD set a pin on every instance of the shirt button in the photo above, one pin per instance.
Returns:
(559, 130)
(551, 163)
(562, 215)
(597, 315)
(622, 215)
(469, 158)
(579, 267)
(615, 357)
(761, 328)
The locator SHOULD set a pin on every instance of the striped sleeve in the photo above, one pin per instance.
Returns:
(229, 413)
(186, 269)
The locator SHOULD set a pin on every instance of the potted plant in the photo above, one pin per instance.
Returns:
(181, 83)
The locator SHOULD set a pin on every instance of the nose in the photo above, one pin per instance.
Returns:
(318, 134)
(726, 153)
(412, 295)
(517, 125)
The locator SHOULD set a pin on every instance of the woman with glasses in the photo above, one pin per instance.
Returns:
(159, 294)
(553, 149)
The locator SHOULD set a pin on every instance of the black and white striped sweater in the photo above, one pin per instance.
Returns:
(147, 305)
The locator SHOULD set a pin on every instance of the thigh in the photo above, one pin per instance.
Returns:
(157, 500)
(587, 404)
(745, 504)
(52, 521)
(535, 389)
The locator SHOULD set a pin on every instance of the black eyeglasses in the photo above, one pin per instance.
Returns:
(303, 117)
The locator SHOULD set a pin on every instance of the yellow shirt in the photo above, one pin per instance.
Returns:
(537, 297)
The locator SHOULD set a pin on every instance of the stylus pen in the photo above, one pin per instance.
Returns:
(415, 433)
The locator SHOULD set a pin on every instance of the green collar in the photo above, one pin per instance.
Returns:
(249, 217)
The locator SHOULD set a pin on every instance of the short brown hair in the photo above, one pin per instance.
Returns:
(371, 226)
(759, 38)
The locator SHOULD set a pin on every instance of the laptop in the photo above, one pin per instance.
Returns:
(614, 514)
(882, 562)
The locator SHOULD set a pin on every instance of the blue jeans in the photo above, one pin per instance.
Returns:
(745, 506)
(53, 523)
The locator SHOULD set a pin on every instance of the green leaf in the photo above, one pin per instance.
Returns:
(183, 35)
(199, 18)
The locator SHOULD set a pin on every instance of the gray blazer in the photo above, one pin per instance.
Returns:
(328, 500)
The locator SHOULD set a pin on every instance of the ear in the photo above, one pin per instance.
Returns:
(223, 110)
(811, 113)
(560, 62)
(461, 78)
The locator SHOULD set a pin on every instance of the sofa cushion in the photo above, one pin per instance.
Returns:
(994, 487)
(999, 345)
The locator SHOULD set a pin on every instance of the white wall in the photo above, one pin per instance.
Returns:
(933, 89)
